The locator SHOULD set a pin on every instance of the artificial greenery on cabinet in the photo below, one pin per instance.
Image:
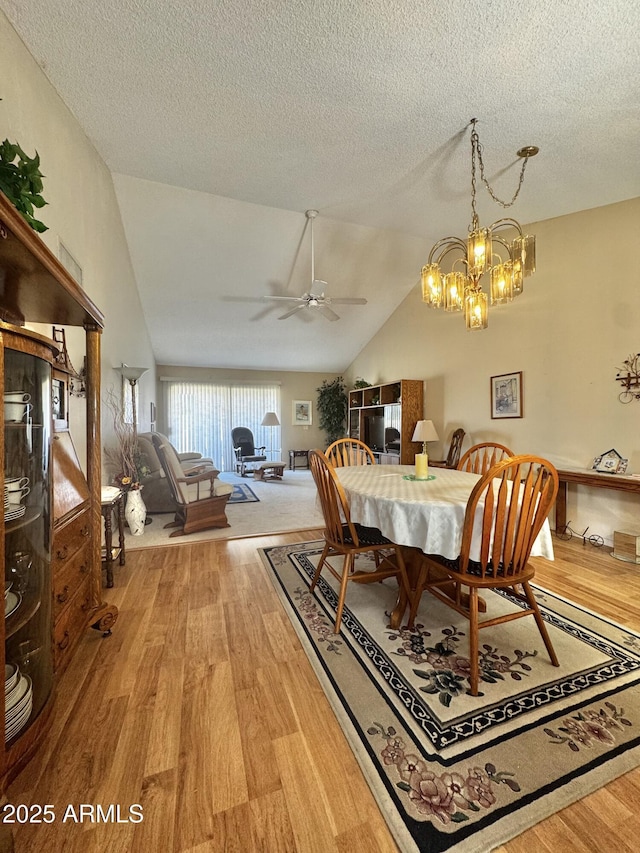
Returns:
(21, 182)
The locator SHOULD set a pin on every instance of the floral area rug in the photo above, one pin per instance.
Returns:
(453, 772)
(242, 494)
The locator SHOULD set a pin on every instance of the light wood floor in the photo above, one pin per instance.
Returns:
(202, 708)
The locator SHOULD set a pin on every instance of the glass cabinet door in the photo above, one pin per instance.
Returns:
(27, 546)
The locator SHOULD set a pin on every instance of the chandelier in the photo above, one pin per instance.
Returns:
(484, 253)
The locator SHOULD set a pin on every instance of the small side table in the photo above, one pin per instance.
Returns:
(294, 455)
(112, 499)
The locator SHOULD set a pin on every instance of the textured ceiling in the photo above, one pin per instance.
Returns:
(357, 109)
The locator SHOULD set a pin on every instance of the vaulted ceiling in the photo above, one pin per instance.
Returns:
(222, 122)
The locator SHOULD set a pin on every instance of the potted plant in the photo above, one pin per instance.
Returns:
(332, 408)
(361, 383)
(21, 182)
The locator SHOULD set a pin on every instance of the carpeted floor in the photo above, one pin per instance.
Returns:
(279, 505)
(452, 772)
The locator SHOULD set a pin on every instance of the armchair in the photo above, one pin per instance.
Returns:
(158, 496)
(245, 450)
(200, 496)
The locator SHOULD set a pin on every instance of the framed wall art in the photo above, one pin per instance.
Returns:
(301, 412)
(506, 395)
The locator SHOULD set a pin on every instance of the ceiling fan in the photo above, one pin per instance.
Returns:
(316, 297)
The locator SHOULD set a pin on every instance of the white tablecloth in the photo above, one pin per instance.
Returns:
(428, 515)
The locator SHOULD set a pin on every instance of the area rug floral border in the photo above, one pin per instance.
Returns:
(242, 494)
(455, 773)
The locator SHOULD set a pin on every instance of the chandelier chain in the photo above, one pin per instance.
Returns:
(476, 149)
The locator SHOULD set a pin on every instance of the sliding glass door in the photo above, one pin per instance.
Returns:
(201, 415)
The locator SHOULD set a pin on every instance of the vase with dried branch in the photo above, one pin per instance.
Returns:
(124, 457)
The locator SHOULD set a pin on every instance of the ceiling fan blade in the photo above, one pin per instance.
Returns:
(293, 311)
(285, 298)
(327, 312)
(348, 300)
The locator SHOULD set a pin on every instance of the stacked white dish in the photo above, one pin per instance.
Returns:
(16, 406)
(18, 700)
(16, 511)
(15, 491)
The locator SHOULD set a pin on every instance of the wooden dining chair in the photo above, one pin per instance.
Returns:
(479, 458)
(512, 499)
(349, 451)
(344, 538)
(453, 456)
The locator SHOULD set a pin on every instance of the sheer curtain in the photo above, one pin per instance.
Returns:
(201, 415)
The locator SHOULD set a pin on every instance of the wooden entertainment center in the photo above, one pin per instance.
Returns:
(379, 412)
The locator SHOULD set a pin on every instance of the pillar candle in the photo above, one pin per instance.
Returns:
(422, 466)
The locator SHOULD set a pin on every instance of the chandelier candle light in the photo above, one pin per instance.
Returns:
(506, 261)
(425, 431)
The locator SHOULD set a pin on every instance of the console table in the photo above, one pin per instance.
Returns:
(593, 479)
(297, 454)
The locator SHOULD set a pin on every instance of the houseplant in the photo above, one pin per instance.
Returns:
(361, 383)
(332, 408)
(21, 181)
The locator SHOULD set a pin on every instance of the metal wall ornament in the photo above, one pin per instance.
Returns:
(629, 377)
(78, 385)
(484, 251)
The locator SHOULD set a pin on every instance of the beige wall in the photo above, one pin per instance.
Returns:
(577, 320)
(83, 213)
(293, 386)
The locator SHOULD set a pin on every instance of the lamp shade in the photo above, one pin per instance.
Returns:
(425, 431)
(132, 373)
(270, 419)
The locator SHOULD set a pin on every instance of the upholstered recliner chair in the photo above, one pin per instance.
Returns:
(157, 494)
(201, 497)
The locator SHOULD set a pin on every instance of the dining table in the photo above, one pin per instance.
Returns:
(420, 516)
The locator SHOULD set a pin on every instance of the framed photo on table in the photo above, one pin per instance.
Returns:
(301, 412)
(506, 395)
(610, 462)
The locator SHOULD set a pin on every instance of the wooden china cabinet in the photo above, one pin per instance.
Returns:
(50, 536)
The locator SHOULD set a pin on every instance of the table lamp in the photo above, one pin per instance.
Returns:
(424, 432)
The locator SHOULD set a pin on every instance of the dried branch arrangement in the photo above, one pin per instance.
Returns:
(122, 459)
